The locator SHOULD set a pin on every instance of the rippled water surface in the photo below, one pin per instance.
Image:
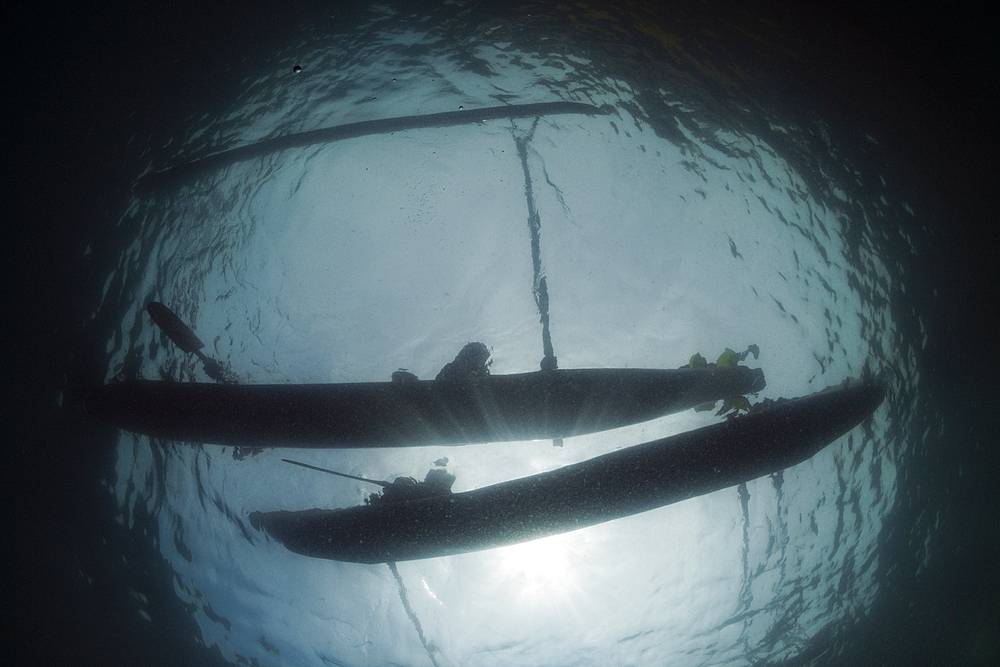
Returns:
(693, 213)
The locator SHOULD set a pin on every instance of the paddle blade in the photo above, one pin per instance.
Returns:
(172, 326)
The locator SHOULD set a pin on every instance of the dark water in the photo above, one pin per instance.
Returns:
(741, 186)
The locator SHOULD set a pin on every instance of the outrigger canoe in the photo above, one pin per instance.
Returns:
(611, 486)
(493, 408)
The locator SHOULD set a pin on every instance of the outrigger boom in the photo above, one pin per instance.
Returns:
(339, 474)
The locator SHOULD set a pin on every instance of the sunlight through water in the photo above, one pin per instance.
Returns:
(687, 217)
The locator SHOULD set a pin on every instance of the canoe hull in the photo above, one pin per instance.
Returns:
(526, 406)
(611, 486)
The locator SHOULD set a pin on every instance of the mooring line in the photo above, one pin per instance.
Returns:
(409, 612)
(540, 289)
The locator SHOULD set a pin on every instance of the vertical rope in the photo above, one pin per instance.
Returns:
(540, 289)
(409, 612)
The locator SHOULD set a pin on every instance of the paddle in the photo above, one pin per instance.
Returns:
(339, 474)
(184, 338)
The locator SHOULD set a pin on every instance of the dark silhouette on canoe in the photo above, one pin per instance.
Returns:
(437, 482)
(611, 486)
(471, 362)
